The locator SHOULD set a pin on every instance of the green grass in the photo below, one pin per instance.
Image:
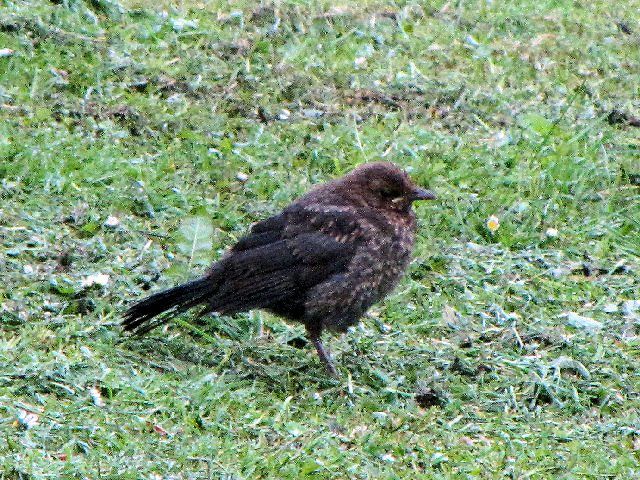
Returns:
(147, 111)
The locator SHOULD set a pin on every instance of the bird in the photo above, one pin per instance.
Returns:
(323, 261)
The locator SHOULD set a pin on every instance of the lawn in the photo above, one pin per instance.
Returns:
(139, 139)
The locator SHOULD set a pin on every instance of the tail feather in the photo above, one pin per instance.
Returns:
(170, 302)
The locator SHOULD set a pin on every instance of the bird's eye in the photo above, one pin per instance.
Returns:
(387, 193)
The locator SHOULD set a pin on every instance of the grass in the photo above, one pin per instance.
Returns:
(148, 111)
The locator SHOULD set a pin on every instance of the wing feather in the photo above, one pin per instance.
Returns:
(282, 258)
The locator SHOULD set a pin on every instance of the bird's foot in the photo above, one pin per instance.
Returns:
(324, 355)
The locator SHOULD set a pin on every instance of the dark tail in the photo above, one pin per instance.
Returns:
(169, 302)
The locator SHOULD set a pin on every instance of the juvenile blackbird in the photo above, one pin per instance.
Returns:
(323, 261)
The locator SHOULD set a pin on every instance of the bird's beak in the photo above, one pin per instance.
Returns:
(423, 194)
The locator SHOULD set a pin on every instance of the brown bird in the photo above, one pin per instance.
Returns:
(323, 261)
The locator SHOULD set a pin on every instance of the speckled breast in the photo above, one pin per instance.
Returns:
(398, 256)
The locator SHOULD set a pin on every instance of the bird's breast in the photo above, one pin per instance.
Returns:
(392, 248)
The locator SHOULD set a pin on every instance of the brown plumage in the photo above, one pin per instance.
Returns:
(323, 261)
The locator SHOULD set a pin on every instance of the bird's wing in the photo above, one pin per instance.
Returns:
(281, 258)
(262, 233)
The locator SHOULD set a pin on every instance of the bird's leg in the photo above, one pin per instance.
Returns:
(324, 356)
(322, 353)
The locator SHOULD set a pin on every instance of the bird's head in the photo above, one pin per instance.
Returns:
(384, 186)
